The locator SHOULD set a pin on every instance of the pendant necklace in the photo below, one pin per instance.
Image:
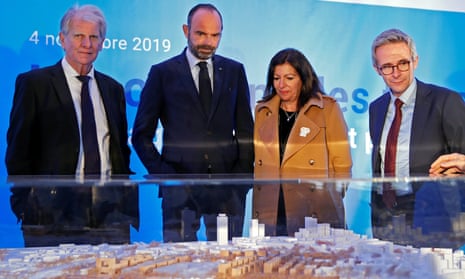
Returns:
(289, 116)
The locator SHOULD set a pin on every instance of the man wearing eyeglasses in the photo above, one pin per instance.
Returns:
(433, 117)
(411, 125)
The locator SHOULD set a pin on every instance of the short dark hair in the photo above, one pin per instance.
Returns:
(197, 7)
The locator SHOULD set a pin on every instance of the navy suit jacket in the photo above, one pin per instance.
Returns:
(43, 136)
(438, 127)
(220, 141)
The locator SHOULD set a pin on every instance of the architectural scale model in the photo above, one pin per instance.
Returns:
(316, 251)
(404, 233)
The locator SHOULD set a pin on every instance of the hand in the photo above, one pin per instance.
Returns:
(448, 164)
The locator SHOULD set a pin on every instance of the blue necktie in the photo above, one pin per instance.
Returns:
(89, 130)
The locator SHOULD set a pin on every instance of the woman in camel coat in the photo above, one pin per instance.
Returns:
(300, 135)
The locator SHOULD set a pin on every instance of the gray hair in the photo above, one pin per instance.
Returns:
(392, 36)
(88, 13)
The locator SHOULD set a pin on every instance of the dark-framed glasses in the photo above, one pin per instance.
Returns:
(402, 66)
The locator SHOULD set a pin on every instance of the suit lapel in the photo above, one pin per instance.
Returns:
(420, 118)
(61, 86)
(186, 81)
(63, 92)
(111, 108)
(379, 117)
(422, 107)
(218, 78)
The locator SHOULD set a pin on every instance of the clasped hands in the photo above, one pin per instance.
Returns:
(453, 163)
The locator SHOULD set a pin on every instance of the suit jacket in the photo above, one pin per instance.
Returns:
(194, 141)
(43, 136)
(317, 146)
(43, 139)
(438, 126)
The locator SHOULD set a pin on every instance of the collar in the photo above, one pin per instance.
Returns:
(70, 71)
(192, 60)
(408, 96)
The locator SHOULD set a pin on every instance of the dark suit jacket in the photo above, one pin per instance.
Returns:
(43, 139)
(43, 136)
(438, 126)
(193, 141)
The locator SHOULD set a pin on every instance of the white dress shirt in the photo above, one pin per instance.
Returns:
(103, 132)
(403, 141)
(195, 69)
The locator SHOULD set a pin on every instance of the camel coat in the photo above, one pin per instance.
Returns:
(317, 147)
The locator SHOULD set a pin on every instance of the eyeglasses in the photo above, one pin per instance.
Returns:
(402, 66)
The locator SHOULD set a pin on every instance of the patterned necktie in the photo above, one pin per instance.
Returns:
(89, 130)
(389, 195)
(205, 88)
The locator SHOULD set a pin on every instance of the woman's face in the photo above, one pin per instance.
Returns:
(288, 84)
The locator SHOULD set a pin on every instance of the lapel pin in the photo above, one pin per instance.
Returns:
(304, 131)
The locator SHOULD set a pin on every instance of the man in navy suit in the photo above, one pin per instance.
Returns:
(45, 135)
(432, 124)
(44, 132)
(197, 140)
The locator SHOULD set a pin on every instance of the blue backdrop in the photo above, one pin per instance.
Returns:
(336, 36)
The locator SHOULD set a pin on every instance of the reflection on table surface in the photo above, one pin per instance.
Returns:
(47, 211)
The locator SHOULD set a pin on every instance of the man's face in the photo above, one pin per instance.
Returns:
(204, 34)
(396, 58)
(82, 44)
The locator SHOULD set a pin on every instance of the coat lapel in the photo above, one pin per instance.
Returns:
(303, 131)
(268, 131)
(269, 134)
